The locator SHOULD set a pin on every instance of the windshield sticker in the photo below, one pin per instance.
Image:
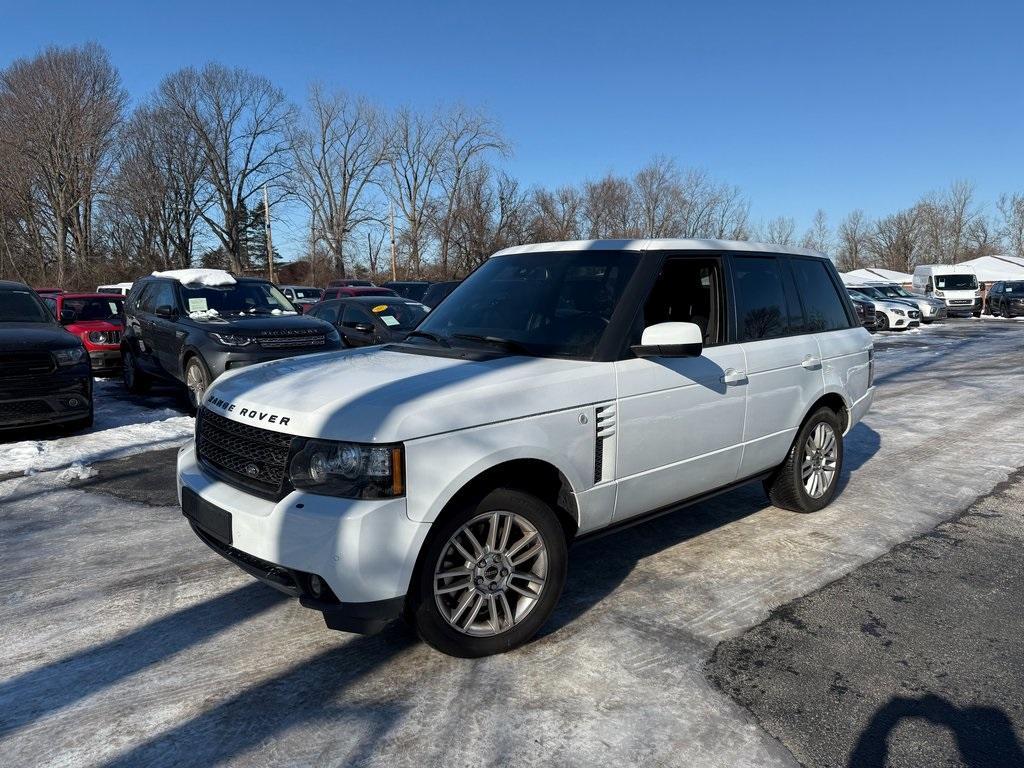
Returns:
(379, 308)
(388, 320)
(197, 305)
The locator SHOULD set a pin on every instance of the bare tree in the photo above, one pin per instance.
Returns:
(418, 143)
(468, 136)
(609, 209)
(1011, 222)
(59, 112)
(339, 153)
(555, 215)
(779, 231)
(895, 242)
(243, 123)
(659, 198)
(854, 235)
(490, 213)
(818, 237)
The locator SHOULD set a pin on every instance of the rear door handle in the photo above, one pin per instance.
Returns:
(732, 376)
(811, 362)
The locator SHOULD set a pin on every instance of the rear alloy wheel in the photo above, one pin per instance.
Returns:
(135, 381)
(807, 480)
(881, 322)
(490, 575)
(197, 379)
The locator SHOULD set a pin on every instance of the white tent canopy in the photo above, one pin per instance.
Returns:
(877, 274)
(993, 268)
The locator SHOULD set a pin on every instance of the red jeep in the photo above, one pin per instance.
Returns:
(98, 320)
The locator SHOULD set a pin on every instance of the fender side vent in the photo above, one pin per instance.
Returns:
(604, 428)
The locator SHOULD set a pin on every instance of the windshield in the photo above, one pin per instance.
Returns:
(872, 292)
(956, 282)
(402, 315)
(111, 310)
(237, 299)
(895, 292)
(308, 293)
(556, 304)
(1015, 287)
(22, 307)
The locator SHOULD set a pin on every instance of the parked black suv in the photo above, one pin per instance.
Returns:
(45, 376)
(366, 320)
(192, 333)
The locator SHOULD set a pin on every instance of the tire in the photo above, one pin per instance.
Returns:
(489, 590)
(135, 381)
(976, 314)
(786, 487)
(197, 380)
(881, 322)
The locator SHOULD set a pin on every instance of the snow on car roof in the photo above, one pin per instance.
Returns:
(210, 277)
(666, 244)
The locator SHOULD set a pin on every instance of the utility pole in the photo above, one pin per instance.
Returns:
(394, 272)
(270, 242)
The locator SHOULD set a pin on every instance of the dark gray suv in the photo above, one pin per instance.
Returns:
(192, 333)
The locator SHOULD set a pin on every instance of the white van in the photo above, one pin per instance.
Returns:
(954, 284)
(120, 288)
(561, 389)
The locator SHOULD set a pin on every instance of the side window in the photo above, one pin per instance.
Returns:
(761, 309)
(51, 304)
(145, 299)
(823, 308)
(160, 294)
(355, 314)
(688, 290)
(327, 313)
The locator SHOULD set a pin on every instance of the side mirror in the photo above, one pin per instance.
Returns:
(363, 327)
(67, 316)
(166, 311)
(299, 308)
(670, 340)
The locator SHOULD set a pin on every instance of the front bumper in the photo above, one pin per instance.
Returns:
(105, 361)
(954, 309)
(364, 550)
(44, 400)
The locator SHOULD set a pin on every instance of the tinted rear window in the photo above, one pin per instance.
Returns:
(761, 310)
(823, 306)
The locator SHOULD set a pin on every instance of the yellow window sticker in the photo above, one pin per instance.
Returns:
(379, 308)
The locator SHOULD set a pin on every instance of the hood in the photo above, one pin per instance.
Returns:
(257, 325)
(85, 326)
(376, 394)
(15, 337)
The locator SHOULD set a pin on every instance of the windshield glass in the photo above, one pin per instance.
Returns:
(22, 307)
(1016, 286)
(308, 293)
(556, 304)
(111, 310)
(237, 299)
(403, 315)
(956, 282)
(895, 292)
(874, 293)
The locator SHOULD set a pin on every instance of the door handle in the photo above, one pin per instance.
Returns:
(732, 376)
(811, 362)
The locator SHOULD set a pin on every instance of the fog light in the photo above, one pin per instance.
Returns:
(73, 402)
(316, 586)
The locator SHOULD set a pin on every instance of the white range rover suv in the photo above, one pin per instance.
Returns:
(563, 388)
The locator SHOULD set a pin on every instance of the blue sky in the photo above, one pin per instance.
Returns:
(802, 104)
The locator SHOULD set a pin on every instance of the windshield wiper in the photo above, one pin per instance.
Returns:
(495, 341)
(434, 337)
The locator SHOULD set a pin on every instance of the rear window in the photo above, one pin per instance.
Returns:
(761, 308)
(823, 306)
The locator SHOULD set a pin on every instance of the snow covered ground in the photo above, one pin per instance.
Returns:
(127, 642)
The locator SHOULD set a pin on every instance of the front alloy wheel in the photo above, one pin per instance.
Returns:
(807, 480)
(196, 382)
(490, 575)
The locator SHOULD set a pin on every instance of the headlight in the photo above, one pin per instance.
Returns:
(977, 294)
(69, 356)
(230, 339)
(898, 312)
(98, 337)
(940, 294)
(349, 470)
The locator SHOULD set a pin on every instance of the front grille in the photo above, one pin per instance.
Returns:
(19, 410)
(960, 302)
(292, 342)
(869, 313)
(14, 364)
(248, 457)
